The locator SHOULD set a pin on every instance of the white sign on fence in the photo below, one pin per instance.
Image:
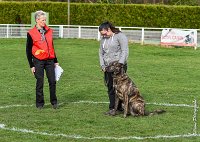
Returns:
(179, 37)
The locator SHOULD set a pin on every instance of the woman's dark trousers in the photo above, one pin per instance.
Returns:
(48, 66)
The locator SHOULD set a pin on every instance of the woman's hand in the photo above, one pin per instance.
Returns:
(103, 70)
(56, 64)
(33, 70)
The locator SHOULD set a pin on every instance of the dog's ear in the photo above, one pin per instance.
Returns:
(122, 71)
(109, 68)
(120, 65)
(114, 63)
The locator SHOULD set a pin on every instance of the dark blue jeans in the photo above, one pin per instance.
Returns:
(48, 66)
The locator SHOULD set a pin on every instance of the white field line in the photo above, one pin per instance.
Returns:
(3, 126)
(10, 106)
(160, 104)
(92, 102)
(195, 117)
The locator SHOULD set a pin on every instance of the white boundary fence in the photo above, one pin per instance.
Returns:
(135, 34)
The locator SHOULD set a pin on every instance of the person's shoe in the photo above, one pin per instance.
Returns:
(40, 107)
(111, 112)
(55, 106)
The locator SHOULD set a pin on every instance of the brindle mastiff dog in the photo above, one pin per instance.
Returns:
(127, 91)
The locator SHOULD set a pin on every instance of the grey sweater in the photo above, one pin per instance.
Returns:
(113, 48)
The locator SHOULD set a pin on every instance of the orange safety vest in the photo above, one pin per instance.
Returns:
(42, 49)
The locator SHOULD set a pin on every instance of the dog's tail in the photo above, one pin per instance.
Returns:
(157, 111)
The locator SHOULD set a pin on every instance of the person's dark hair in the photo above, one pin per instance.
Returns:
(106, 25)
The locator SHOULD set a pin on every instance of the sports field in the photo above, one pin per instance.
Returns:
(168, 78)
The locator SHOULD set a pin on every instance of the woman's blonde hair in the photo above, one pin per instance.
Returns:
(39, 13)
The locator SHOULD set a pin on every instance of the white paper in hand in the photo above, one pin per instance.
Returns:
(58, 72)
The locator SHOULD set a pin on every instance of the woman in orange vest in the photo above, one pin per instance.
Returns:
(41, 56)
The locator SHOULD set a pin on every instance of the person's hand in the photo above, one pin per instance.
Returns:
(104, 69)
(33, 70)
(56, 64)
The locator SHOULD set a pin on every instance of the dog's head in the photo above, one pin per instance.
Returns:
(115, 67)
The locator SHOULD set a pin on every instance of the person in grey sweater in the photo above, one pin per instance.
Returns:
(113, 47)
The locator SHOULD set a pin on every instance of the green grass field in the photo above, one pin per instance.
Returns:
(168, 79)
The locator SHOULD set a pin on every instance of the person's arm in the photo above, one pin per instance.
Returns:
(101, 57)
(123, 41)
(55, 59)
(29, 45)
